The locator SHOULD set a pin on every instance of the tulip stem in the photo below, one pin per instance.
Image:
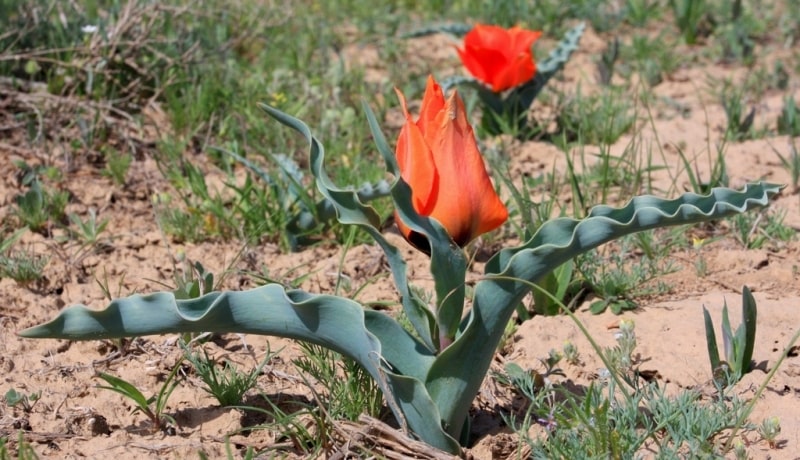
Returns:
(444, 341)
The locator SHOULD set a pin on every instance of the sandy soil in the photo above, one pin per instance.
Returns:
(73, 419)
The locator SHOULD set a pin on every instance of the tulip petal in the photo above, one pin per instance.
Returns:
(501, 58)
(467, 204)
(415, 160)
(522, 40)
(522, 70)
(432, 104)
(483, 63)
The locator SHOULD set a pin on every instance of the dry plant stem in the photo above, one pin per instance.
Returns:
(372, 435)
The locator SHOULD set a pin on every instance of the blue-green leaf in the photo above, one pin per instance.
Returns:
(453, 385)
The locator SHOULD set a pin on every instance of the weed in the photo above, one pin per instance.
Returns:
(620, 277)
(639, 12)
(651, 57)
(25, 266)
(789, 119)
(6, 243)
(693, 18)
(597, 424)
(769, 430)
(791, 163)
(621, 357)
(154, 406)
(761, 228)
(718, 177)
(15, 398)
(38, 207)
(117, 165)
(570, 352)
(227, 385)
(596, 119)
(89, 230)
(348, 389)
(304, 428)
(739, 121)
(738, 347)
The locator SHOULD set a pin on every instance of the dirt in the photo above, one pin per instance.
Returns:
(75, 419)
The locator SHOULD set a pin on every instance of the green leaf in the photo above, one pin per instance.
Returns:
(711, 341)
(598, 306)
(453, 385)
(350, 210)
(728, 340)
(14, 397)
(749, 317)
(125, 389)
(6, 243)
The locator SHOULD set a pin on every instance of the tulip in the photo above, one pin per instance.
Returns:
(439, 159)
(498, 57)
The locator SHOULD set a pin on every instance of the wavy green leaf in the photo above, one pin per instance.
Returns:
(332, 322)
(452, 385)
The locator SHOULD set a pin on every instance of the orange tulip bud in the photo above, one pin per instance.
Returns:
(500, 58)
(439, 159)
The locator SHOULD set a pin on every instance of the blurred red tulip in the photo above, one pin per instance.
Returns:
(501, 58)
(439, 159)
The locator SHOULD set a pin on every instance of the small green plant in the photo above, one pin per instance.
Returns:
(227, 385)
(693, 19)
(652, 57)
(718, 177)
(739, 33)
(621, 357)
(791, 163)
(755, 231)
(618, 276)
(596, 119)
(154, 406)
(24, 266)
(639, 12)
(769, 430)
(570, 352)
(789, 119)
(89, 230)
(738, 347)
(38, 207)
(16, 398)
(348, 389)
(739, 120)
(117, 165)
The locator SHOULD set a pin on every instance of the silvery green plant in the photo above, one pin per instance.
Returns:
(429, 384)
(738, 346)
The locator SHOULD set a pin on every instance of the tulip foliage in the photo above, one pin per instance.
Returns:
(431, 373)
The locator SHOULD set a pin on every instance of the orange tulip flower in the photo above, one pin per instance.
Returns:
(439, 159)
(500, 58)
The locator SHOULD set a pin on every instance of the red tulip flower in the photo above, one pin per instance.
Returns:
(439, 159)
(498, 57)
